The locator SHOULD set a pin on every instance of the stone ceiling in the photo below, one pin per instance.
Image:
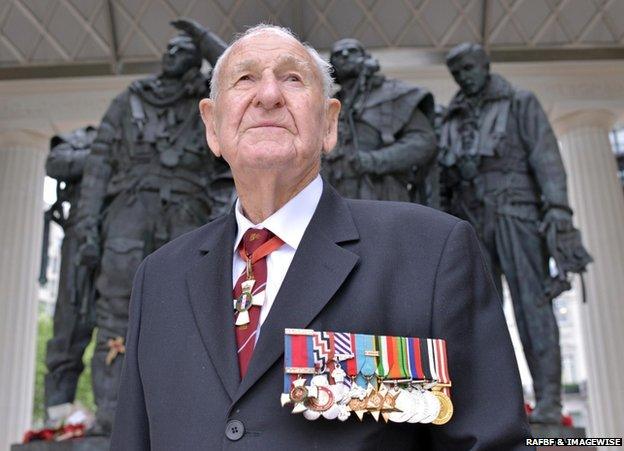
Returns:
(108, 35)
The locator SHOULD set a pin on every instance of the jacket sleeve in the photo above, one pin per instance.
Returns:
(131, 427)
(486, 390)
(543, 149)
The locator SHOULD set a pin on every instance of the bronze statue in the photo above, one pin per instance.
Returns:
(502, 171)
(386, 144)
(73, 314)
(149, 179)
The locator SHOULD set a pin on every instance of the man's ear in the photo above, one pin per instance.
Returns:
(207, 111)
(331, 125)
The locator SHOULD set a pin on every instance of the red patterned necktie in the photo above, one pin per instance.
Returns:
(249, 290)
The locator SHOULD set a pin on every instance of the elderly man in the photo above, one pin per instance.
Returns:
(195, 377)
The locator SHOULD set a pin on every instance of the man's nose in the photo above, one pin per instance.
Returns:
(269, 94)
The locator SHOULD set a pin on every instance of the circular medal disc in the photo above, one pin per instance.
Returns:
(418, 406)
(404, 405)
(169, 158)
(311, 415)
(244, 301)
(333, 412)
(340, 392)
(298, 394)
(432, 407)
(323, 401)
(446, 408)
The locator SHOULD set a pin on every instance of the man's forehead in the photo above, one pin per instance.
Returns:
(284, 60)
(263, 46)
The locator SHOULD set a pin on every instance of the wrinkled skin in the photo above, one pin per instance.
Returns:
(271, 120)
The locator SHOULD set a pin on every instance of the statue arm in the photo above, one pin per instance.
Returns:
(562, 240)
(543, 150)
(210, 45)
(96, 175)
(415, 146)
(65, 163)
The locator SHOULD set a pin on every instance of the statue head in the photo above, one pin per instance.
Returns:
(348, 58)
(181, 55)
(470, 67)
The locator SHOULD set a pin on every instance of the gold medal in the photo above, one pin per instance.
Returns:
(375, 402)
(446, 408)
(358, 406)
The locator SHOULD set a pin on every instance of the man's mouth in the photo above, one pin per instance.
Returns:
(267, 125)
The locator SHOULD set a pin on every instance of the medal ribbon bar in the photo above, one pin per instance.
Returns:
(333, 374)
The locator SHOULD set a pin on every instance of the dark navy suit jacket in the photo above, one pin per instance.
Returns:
(362, 266)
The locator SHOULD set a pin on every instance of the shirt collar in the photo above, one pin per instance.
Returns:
(289, 222)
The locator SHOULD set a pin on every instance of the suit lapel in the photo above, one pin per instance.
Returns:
(318, 269)
(210, 291)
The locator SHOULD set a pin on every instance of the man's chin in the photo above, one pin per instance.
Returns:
(268, 156)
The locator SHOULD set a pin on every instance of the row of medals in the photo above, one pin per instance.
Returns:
(404, 401)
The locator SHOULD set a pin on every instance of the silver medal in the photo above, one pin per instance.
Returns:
(432, 407)
(403, 405)
(418, 406)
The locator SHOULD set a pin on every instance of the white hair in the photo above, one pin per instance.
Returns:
(323, 67)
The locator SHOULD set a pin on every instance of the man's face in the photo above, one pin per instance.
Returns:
(180, 56)
(347, 57)
(470, 72)
(270, 113)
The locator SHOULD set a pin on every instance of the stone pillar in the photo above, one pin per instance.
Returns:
(22, 160)
(598, 202)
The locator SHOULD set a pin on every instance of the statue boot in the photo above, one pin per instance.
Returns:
(547, 391)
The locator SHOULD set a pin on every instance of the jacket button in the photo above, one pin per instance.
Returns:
(234, 430)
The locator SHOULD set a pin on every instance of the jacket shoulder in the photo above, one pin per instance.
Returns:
(401, 217)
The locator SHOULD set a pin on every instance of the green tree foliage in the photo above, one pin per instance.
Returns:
(84, 394)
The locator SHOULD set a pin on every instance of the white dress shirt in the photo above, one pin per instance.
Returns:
(289, 223)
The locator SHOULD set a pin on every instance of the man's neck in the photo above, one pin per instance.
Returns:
(260, 197)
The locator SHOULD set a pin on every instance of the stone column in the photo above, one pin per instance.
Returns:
(598, 202)
(22, 160)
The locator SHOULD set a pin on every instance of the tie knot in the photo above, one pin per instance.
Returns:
(254, 238)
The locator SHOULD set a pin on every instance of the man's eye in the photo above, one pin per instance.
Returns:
(245, 77)
(293, 77)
